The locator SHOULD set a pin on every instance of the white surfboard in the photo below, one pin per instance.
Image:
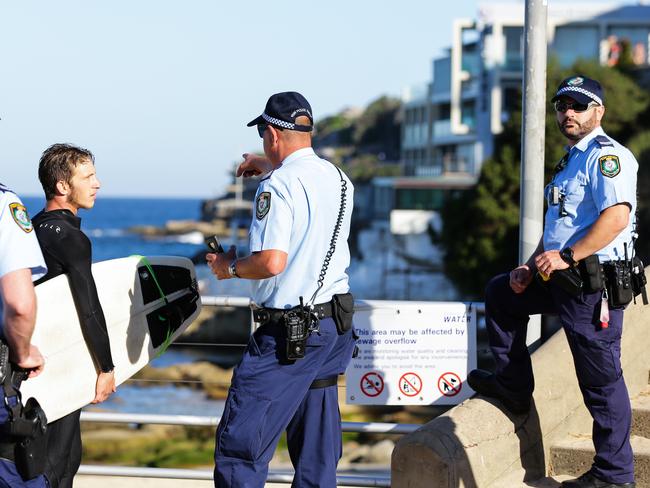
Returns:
(147, 302)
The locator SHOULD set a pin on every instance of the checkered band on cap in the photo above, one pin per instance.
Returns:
(278, 122)
(566, 89)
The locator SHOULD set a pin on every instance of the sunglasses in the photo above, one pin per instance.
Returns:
(261, 129)
(562, 107)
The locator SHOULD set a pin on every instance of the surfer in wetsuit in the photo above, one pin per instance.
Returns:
(67, 174)
(21, 261)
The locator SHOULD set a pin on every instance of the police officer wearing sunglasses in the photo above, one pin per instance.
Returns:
(590, 219)
(287, 378)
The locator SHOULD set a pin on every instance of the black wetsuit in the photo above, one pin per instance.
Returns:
(67, 251)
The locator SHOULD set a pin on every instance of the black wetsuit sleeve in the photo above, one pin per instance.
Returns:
(75, 255)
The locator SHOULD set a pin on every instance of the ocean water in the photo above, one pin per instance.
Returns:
(108, 222)
(107, 227)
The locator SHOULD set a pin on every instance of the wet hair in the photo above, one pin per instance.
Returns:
(57, 164)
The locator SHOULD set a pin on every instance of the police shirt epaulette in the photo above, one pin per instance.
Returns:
(4, 189)
(603, 141)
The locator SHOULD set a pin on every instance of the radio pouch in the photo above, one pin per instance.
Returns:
(343, 311)
(619, 283)
(568, 280)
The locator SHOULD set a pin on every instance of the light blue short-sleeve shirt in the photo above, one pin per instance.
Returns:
(19, 248)
(599, 173)
(296, 209)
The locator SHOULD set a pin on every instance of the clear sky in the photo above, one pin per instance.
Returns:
(161, 90)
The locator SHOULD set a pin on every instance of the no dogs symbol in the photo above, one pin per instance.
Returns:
(449, 384)
(410, 384)
(372, 384)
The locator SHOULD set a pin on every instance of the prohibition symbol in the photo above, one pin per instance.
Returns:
(410, 384)
(449, 384)
(372, 384)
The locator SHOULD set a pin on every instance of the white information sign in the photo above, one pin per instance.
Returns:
(412, 353)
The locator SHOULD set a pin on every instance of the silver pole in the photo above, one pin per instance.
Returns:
(202, 421)
(532, 140)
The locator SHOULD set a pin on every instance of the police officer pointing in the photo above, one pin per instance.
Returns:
(287, 378)
(575, 272)
(21, 262)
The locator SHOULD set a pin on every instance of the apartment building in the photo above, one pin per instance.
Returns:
(449, 128)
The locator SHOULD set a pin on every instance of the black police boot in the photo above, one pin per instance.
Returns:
(588, 480)
(486, 384)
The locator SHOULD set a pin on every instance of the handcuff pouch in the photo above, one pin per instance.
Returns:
(591, 272)
(343, 311)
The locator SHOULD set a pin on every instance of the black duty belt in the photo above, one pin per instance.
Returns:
(265, 315)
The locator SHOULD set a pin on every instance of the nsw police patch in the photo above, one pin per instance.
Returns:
(20, 216)
(610, 166)
(262, 205)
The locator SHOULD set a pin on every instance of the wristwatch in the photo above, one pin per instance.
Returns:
(567, 256)
(232, 269)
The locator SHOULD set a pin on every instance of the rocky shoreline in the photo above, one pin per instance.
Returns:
(217, 227)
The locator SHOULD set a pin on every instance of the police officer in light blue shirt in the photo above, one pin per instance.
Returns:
(287, 219)
(21, 262)
(298, 261)
(590, 219)
(599, 173)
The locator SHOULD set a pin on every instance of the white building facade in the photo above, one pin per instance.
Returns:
(475, 86)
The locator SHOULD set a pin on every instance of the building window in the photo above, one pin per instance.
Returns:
(419, 199)
(574, 42)
(468, 114)
(444, 111)
(514, 59)
(511, 101)
(465, 158)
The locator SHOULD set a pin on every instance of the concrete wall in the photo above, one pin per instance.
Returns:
(476, 444)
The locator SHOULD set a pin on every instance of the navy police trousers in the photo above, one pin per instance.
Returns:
(269, 395)
(596, 356)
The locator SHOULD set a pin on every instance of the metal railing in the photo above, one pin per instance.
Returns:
(274, 476)
(201, 421)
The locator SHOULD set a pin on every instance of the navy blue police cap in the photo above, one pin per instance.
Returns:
(581, 89)
(282, 109)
